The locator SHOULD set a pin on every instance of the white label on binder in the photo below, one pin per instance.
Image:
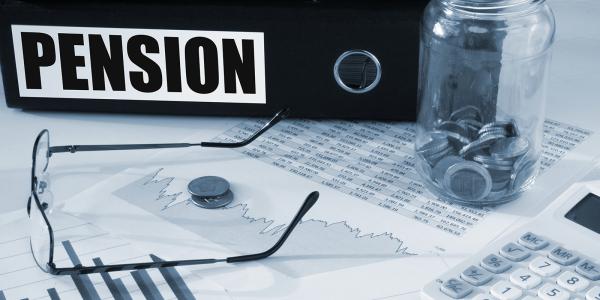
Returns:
(140, 64)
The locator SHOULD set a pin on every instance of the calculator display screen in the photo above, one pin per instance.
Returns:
(586, 213)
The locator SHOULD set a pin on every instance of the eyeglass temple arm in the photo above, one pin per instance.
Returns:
(310, 200)
(306, 206)
(282, 114)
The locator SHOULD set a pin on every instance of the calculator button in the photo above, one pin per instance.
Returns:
(495, 264)
(530, 298)
(544, 267)
(533, 241)
(482, 297)
(455, 288)
(593, 293)
(504, 290)
(553, 292)
(563, 256)
(525, 279)
(476, 276)
(588, 269)
(572, 281)
(514, 252)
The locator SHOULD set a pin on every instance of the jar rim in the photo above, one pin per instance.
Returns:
(493, 7)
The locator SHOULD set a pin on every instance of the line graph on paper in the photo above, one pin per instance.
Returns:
(316, 246)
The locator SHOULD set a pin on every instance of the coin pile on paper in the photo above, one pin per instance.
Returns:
(210, 192)
(478, 163)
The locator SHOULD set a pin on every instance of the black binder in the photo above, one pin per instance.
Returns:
(322, 59)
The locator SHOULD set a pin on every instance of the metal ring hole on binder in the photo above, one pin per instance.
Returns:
(357, 71)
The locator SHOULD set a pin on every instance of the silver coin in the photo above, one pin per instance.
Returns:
(511, 147)
(466, 112)
(492, 128)
(493, 167)
(468, 181)
(500, 185)
(487, 127)
(500, 180)
(452, 126)
(479, 144)
(440, 168)
(472, 129)
(434, 158)
(439, 146)
(498, 124)
(472, 132)
(487, 159)
(509, 126)
(497, 167)
(497, 131)
(212, 203)
(524, 159)
(437, 135)
(500, 175)
(208, 187)
(523, 175)
(514, 129)
(471, 122)
(455, 139)
(439, 142)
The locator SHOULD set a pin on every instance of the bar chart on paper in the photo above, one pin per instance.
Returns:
(21, 278)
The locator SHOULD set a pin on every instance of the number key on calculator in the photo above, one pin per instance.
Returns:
(531, 267)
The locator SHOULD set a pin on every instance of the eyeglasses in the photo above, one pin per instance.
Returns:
(39, 205)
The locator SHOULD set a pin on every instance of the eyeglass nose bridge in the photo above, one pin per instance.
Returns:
(40, 187)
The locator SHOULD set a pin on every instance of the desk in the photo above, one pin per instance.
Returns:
(572, 97)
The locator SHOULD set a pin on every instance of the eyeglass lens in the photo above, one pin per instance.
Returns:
(39, 231)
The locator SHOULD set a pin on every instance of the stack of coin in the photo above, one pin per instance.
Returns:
(477, 163)
(210, 192)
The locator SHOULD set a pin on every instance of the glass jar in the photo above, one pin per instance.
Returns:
(482, 94)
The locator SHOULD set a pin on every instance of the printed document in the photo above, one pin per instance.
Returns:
(374, 224)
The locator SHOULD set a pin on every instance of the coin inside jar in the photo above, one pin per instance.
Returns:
(435, 149)
(437, 144)
(479, 144)
(522, 175)
(210, 192)
(466, 112)
(476, 162)
(505, 125)
(440, 168)
(468, 181)
(509, 147)
(452, 126)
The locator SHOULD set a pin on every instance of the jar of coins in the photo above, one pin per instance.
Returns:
(482, 89)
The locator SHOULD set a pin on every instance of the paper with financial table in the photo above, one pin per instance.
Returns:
(375, 233)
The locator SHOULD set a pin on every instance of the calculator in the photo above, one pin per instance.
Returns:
(555, 256)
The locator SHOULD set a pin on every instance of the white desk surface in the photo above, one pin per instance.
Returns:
(575, 80)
